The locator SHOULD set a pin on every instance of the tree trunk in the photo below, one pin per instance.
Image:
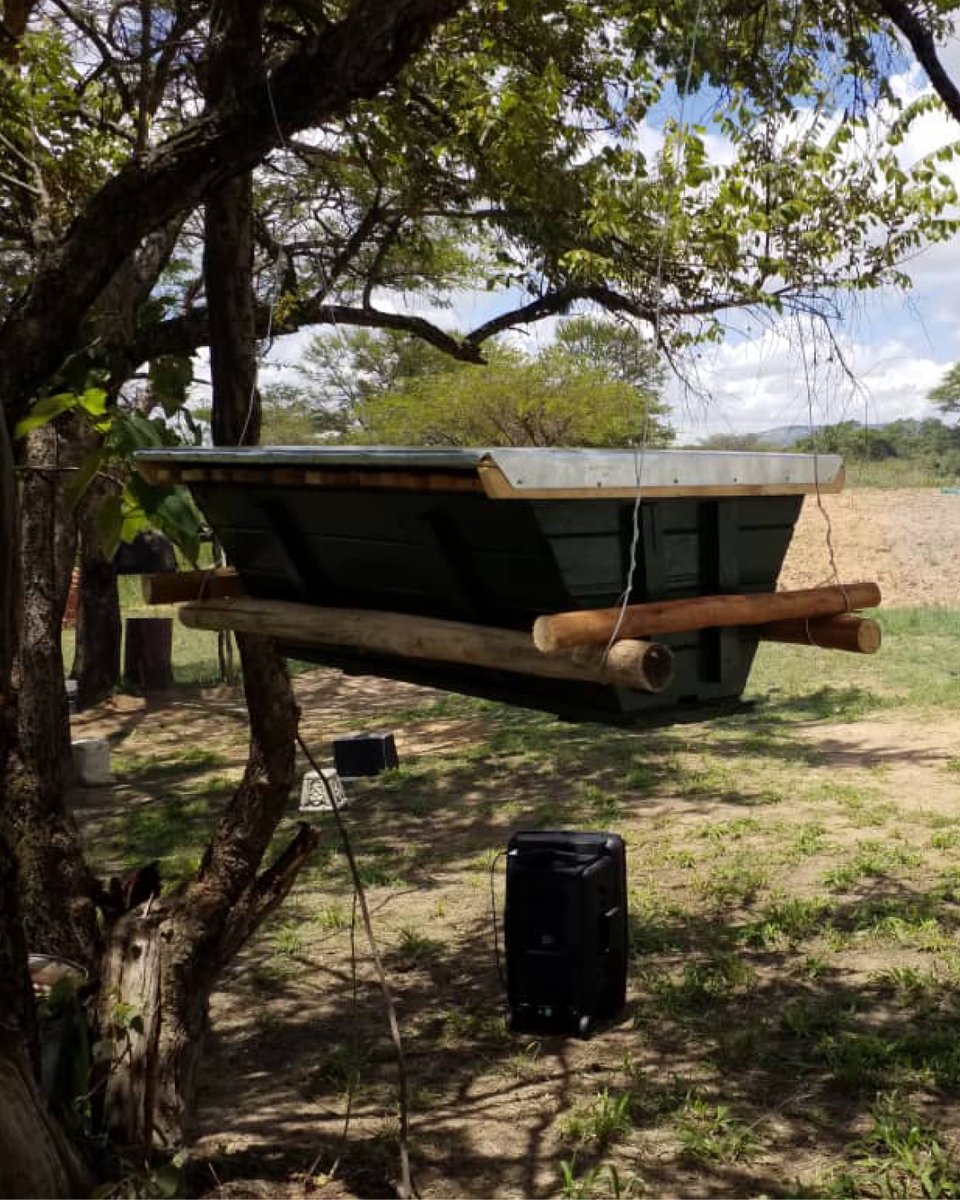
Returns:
(148, 654)
(96, 659)
(36, 1161)
(164, 964)
(57, 889)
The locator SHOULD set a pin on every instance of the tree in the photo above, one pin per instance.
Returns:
(112, 128)
(555, 399)
(734, 441)
(946, 395)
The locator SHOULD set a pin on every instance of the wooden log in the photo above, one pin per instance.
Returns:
(173, 587)
(595, 627)
(857, 635)
(642, 665)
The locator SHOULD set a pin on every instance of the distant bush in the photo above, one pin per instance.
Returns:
(903, 453)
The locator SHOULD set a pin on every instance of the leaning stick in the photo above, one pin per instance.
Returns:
(596, 627)
(857, 635)
(644, 666)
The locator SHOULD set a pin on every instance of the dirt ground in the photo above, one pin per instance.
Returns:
(725, 1051)
(907, 540)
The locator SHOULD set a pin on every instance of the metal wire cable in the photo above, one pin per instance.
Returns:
(639, 456)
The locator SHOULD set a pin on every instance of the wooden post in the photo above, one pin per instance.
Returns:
(596, 627)
(148, 654)
(642, 665)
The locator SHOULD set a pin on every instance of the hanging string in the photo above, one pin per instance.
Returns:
(639, 455)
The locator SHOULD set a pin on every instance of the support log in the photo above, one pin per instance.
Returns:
(645, 666)
(173, 587)
(595, 627)
(857, 635)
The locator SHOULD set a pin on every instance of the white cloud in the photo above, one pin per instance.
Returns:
(786, 375)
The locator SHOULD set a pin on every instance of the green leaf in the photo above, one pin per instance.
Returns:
(93, 402)
(170, 377)
(167, 1181)
(44, 411)
(109, 524)
(81, 479)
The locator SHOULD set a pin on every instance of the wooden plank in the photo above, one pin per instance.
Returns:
(173, 587)
(597, 627)
(641, 665)
(318, 477)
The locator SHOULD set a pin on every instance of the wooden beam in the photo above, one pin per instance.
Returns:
(856, 635)
(644, 666)
(172, 587)
(596, 627)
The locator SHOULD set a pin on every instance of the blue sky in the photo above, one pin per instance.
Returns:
(780, 372)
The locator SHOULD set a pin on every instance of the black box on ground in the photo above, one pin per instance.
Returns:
(364, 754)
(565, 928)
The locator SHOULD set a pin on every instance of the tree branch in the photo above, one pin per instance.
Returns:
(267, 892)
(353, 59)
(925, 48)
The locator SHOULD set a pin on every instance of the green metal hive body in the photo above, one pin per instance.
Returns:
(464, 555)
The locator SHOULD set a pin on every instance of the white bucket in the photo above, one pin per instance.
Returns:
(91, 761)
(314, 796)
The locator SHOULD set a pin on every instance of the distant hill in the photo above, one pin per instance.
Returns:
(785, 435)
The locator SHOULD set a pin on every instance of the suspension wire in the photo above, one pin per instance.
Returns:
(407, 1187)
(639, 455)
(275, 289)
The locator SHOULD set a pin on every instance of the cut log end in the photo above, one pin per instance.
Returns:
(856, 635)
(647, 666)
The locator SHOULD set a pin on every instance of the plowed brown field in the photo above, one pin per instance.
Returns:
(908, 540)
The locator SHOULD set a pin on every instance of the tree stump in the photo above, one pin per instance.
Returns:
(148, 653)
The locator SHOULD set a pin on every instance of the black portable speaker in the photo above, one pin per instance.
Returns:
(364, 754)
(565, 928)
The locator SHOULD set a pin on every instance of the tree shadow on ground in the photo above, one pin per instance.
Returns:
(713, 1019)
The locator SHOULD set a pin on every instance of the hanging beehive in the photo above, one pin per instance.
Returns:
(388, 546)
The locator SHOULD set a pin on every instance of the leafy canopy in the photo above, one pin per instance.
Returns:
(552, 399)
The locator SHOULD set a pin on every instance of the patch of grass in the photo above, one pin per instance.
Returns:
(333, 917)
(711, 1133)
(460, 1024)
(700, 988)
(413, 950)
(901, 1155)
(788, 921)
(872, 860)
(136, 768)
(599, 1121)
(731, 831)
(597, 1181)
(598, 805)
(734, 881)
(287, 941)
(945, 839)
(267, 978)
(806, 841)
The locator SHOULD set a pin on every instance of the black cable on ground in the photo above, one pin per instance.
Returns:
(407, 1187)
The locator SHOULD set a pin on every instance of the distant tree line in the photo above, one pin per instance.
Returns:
(929, 443)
